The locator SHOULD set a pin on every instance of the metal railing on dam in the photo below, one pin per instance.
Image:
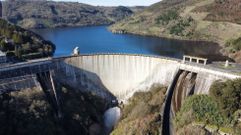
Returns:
(25, 68)
(121, 74)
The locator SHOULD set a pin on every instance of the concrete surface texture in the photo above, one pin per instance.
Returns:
(123, 75)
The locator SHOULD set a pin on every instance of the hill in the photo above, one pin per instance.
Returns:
(50, 14)
(24, 44)
(210, 20)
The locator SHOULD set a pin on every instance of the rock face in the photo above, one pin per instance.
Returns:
(45, 14)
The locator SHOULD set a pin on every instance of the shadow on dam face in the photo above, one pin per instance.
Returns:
(122, 75)
(84, 81)
(182, 86)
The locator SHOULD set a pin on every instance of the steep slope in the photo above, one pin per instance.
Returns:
(24, 44)
(28, 112)
(141, 116)
(45, 14)
(189, 19)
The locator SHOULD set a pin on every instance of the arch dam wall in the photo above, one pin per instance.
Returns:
(122, 75)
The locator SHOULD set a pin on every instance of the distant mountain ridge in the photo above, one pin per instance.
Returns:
(210, 20)
(50, 14)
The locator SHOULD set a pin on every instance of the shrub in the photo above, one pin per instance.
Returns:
(234, 45)
(199, 108)
(228, 95)
(236, 117)
(178, 28)
(18, 36)
(168, 16)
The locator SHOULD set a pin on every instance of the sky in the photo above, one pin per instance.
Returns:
(116, 2)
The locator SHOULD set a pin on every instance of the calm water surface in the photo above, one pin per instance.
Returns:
(97, 39)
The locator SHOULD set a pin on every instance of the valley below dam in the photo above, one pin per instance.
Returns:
(69, 68)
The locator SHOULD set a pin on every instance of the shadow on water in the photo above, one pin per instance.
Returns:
(177, 48)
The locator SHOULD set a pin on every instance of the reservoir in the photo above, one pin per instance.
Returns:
(97, 39)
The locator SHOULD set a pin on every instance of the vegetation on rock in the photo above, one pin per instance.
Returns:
(191, 129)
(50, 14)
(28, 112)
(199, 108)
(221, 110)
(227, 95)
(167, 17)
(233, 45)
(209, 20)
(142, 113)
(223, 10)
(24, 44)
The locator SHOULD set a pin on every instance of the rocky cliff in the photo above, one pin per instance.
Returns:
(46, 14)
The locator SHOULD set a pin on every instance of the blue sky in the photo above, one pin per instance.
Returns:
(116, 2)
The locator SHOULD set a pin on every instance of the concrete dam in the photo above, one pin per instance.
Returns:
(119, 74)
(123, 75)
(114, 76)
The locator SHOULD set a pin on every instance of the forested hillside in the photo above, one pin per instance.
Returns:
(219, 112)
(209, 20)
(23, 44)
(50, 14)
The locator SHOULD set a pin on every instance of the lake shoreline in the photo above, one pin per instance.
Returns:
(99, 39)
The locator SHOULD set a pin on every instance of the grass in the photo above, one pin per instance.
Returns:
(214, 127)
(226, 130)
